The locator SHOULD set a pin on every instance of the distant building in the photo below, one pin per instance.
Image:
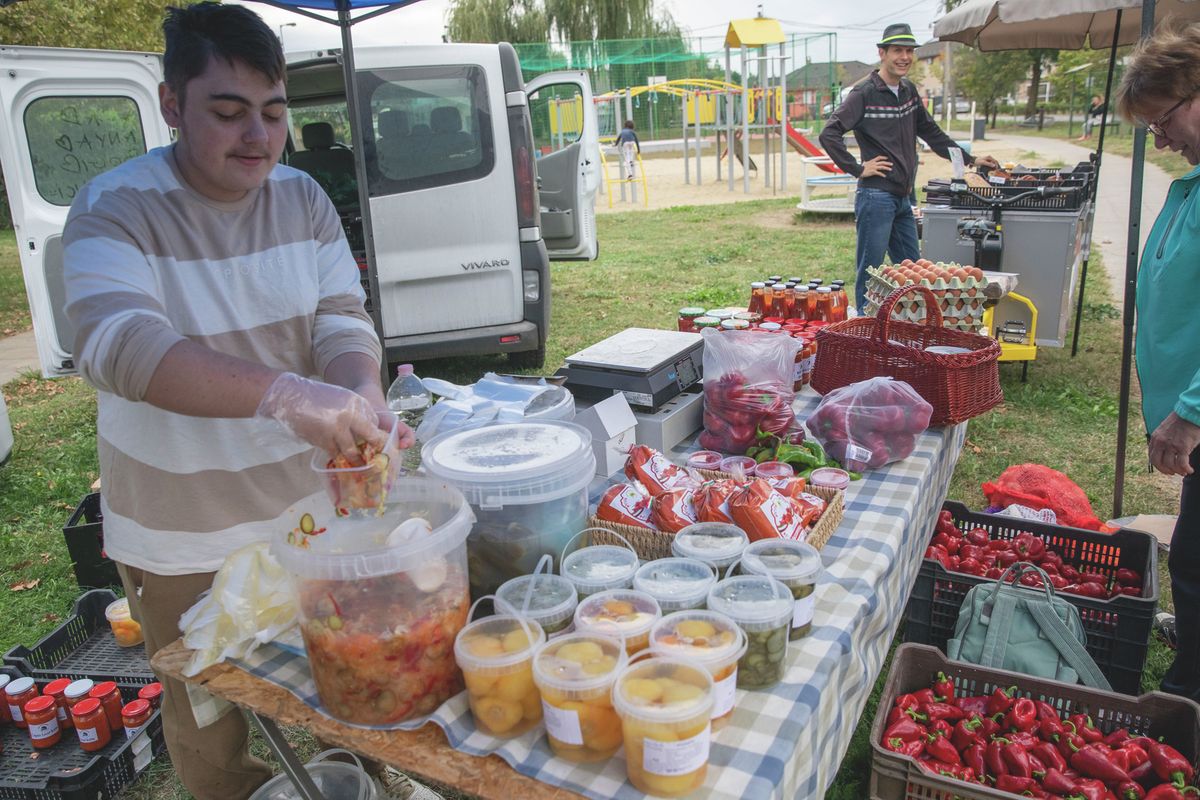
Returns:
(819, 84)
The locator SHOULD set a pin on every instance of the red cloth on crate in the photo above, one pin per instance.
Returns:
(1038, 486)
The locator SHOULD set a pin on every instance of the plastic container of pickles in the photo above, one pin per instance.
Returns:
(575, 675)
(622, 613)
(599, 567)
(676, 583)
(551, 600)
(708, 638)
(796, 565)
(762, 608)
(716, 543)
(495, 655)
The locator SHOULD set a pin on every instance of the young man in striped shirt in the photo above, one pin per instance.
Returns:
(886, 115)
(219, 315)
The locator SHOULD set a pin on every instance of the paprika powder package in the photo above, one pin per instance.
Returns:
(674, 510)
(626, 504)
(712, 501)
(748, 381)
(655, 472)
(871, 423)
(764, 513)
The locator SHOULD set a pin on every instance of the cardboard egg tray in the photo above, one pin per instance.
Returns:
(961, 301)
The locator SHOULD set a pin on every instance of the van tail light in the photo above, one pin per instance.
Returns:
(361, 261)
(521, 135)
(509, 339)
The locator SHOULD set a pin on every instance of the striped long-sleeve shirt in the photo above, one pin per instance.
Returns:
(149, 262)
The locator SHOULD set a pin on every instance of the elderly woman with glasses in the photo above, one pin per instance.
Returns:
(1159, 90)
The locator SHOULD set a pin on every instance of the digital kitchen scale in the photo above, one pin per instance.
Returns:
(650, 367)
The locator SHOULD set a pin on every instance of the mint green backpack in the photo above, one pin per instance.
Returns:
(1024, 629)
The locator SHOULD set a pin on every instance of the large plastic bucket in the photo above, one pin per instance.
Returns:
(527, 484)
(379, 619)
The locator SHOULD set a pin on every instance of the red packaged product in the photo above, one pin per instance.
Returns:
(626, 504)
(652, 469)
(811, 505)
(674, 510)
(712, 501)
(764, 513)
(790, 487)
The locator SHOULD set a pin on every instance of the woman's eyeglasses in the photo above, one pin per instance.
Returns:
(1156, 127)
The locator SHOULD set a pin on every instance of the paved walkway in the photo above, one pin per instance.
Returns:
(18, 354)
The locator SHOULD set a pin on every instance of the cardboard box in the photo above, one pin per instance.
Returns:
(613, 426)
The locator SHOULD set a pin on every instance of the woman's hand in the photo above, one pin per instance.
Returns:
(1171, 445)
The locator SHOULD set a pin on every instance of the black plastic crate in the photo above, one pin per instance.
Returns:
(65, 771)
(84, 647)
(1118, 630)
(1071, 199)
(84, 533)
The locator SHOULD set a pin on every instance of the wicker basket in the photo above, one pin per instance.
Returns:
(958, 386)
(651, 544)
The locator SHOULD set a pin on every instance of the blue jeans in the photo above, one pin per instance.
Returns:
(885, 222)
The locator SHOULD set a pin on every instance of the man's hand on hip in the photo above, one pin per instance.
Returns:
(1171, 445)
(877, 166)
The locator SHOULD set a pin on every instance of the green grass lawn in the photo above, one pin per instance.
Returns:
(652, 263)
(14, 307)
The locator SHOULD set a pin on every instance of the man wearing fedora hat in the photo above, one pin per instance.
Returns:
(886, 115)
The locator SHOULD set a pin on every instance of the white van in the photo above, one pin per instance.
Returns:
(466, 206)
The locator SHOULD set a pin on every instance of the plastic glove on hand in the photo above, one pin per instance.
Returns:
(326, 416)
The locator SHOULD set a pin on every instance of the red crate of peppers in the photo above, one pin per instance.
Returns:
(948, 729)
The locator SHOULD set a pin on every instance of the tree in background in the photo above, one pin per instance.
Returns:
(986, 78)
(1083, 72)
(565, 20)
(498, 21)
(100, 24)
(1038, 59)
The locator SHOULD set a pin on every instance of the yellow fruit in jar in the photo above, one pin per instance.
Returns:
(580, 652)
(600, 726)
(687, 732)
(679, 693)
(600, 666)
(485, 646)
(515, 641)
(671, 785)
(498, 715)
(531, 706)
(515, 685)
(617, 608)
(695, 629)
(645, 690)
(480, 683)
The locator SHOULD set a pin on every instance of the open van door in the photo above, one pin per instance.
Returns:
(567, 140)
(65, 117)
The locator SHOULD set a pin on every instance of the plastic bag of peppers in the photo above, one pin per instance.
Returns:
(748, 382)
(1016, 744)
(871, 423)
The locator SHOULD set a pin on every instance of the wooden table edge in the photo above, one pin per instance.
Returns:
(423, 753)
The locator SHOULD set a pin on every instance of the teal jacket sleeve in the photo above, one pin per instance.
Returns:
(1188, 405)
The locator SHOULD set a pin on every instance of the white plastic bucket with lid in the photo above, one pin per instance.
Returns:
(527, 484)
(557, 403)
(370, 589)
(676, 583)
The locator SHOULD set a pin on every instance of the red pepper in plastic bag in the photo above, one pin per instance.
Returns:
(625, 504)
(870, 423)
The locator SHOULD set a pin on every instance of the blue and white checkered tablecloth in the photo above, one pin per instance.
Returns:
(788, 741)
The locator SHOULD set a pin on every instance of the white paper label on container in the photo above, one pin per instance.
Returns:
(856, 453)
(562, 724)
(676, 758)
(44, 730)
(88, 735)
(802, 612)
(62, 714)
(15, 712)
(723, 694)
(132, 732)
(143, 759)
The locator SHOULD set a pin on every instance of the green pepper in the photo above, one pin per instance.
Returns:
(855, 476)
(797, 456)
(814, 447)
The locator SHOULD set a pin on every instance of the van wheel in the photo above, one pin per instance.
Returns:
(528, 359)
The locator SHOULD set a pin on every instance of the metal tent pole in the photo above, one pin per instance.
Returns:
(783, 119)
(687, 154)
(729, 115)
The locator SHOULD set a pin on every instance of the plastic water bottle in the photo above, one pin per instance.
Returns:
(408, 399)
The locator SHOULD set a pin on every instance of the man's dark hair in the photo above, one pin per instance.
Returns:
(197, 33)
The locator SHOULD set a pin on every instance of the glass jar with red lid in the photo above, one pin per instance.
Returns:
(91, 724)
(57, 689)
(16, 694)
(152, 693)
(110, 700)
(41, 719)
(135, 716)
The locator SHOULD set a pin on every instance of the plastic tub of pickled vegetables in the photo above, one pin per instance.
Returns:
(495, 655)
(360, 489)
(527, 484)
(544, 598)
(676, 583)
(575, 674)
(380, 601)
(707, 638)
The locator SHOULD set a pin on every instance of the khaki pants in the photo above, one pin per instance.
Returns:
(213, 763)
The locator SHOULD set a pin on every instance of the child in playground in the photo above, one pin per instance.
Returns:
(627, 135)
(626, 141)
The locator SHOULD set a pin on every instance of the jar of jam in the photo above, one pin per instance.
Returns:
(17, 693)
(4, 715)
(75, 692)
(798, 364)
(152, 694)
(91, 725)
(110, 700)
(756, 297)
(41, 718)
(749, 316)
(769, 326)
(706, 321)
(734, 325)
(56, 689)
(135, 716)
(810, 363)
(686, 316)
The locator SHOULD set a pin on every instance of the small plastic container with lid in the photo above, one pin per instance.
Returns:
(152, 693)
(135, 716)
(624, 613)
(708, 638)
(705, 459)
(665, 706)
(56, 689)
(796, 565)
(4, 715)
(599, 567)
(110, 700)
(41, 719)
(495, 655)
(773, 471)
(125, 628)
(77, 691)
(830, 478)
(544, 598)
(743, 465)
(716, 543)
(17, 693)
(575, 674)
(762, 607)
(677, 584)
(91, 725)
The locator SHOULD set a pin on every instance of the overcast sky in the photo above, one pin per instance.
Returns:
(858, 25)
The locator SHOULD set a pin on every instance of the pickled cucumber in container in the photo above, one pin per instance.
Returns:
(794, 564)
(676, 583)
(762, 607)
(716, 543)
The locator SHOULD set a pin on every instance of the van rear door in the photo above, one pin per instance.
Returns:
(67, 116)
(567, 138)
